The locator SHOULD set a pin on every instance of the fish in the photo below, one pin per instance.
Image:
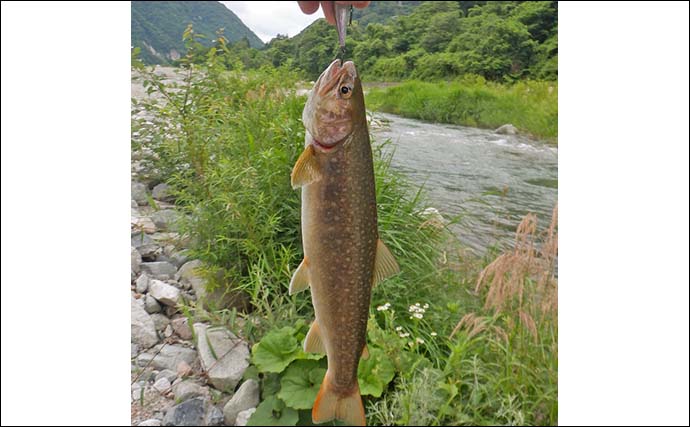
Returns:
(343, 255)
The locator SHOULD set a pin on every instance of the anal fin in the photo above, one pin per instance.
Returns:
(313, 342)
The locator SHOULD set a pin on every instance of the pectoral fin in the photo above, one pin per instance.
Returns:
(385, 265)
(306, 169)
(313, 342)
(300, 278)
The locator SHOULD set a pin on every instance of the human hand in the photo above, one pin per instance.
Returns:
(328, 7)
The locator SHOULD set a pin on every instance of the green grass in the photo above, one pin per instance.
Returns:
(531, 106)
(226, 142)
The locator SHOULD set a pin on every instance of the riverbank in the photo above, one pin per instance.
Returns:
(531, 106)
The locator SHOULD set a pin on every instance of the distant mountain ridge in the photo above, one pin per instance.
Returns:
(157, 27)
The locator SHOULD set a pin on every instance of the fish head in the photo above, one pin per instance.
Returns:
(334, 106)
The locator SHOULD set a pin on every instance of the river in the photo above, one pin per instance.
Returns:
(484, 180)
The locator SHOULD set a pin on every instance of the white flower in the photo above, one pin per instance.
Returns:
(420, 341)
(417, 304)
(404, 335)
(399, 328)
(382, 308)
(418, 315)
(433, 334)
(411, 344)
(426, 306)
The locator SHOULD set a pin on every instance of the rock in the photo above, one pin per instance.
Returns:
(142, 284)
(178, 259)
(167, 333)
(161, 192)
(165, 219)
(181, 328)
(170, 311)
(142, 223)
(147, 247)
(135, 350)
(190, 275)
(214, 416)
(139, 192)
(168, 358)
(136, 261)
(150, 423)
(246, 397)
(183, 369)
(162, 385)
(161, 321)
(151, 305)
(233, 356)
(243, 417)
(507, 130)
(136, 391)
(185, 390)
(158, 270)
(134, 204)
(434, 217)
(143, 328)
(163, 292)
(193, 412)
(166, 373)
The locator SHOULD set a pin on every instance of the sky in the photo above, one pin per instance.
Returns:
(268, 18)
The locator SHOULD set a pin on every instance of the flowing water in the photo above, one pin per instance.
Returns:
(487, 181)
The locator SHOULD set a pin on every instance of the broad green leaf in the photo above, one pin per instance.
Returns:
(375, 373)
(273, 412)
(270, 385)
(301, 383)
(276, 350)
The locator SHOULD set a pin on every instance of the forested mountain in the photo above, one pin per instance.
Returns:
(157, 27)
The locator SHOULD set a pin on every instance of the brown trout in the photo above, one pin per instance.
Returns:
(343, 256)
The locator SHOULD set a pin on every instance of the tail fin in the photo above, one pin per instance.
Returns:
(328, 406)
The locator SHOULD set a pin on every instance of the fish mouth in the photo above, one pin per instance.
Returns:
(326, 148)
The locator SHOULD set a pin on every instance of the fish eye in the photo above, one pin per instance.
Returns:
(345, 91)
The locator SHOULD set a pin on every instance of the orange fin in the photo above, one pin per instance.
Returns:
(365, 352)
(306, 169)
(300, 279)
(329, 406)
(385, 265)
(313, 342)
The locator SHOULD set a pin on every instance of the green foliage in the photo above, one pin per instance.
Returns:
(531, 106)
(157, 25)
(300, 384)
(375, 373)
(273, 412)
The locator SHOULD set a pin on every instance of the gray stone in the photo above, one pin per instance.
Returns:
(142, 284)
(166, 373)
(136, 261)
(162, 385)
(150, 423)
(247, 397)
(134, 204)
(167, 333)
(168, 357)
(160, 320)
(185, 390)
(159, 270)
(193, 412)
(143, 328)
(163, 292)
(214, 416)
(226, 371)
(135, 350)
(170, 311)
(165, 219)
(151, 305)
(183, 369)
(244, 416)
(147, 247)
(179, 259)
(161, 192)
(139, 192)
(181, 328)
(189, 274)
(507, 129)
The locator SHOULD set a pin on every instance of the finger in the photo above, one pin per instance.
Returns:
(308, 7)
(357, 4)
(329, 11)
